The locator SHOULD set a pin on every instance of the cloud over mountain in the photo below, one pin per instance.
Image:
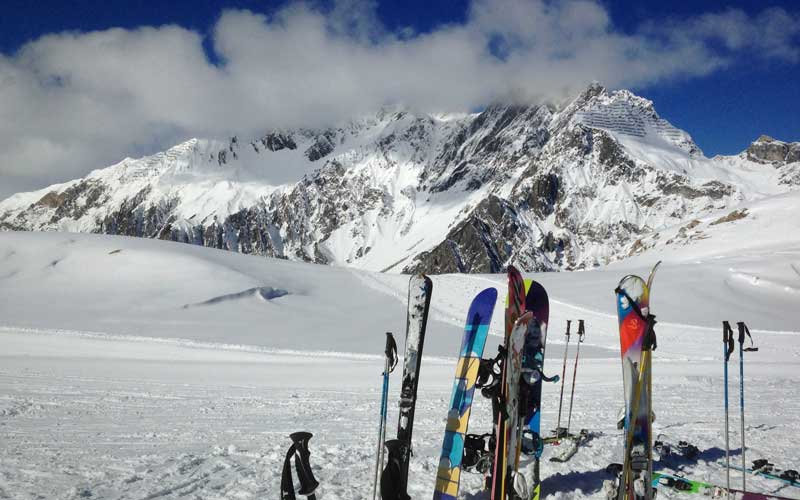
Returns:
(72, 101)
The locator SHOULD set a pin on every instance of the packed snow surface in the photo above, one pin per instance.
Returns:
(142, 369)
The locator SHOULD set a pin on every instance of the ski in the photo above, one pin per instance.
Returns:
(637, 340)
(420, 289)
(537, 302)
(515, 307)
(683, 484)
(474, 340)
(765, 469)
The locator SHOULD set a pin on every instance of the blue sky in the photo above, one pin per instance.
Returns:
(724, 71)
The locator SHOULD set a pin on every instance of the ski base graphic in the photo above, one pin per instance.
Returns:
(476, 330)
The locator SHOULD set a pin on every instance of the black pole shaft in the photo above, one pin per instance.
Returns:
(563, 373)
(581, 334)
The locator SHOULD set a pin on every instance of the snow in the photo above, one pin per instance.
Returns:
(135, 368)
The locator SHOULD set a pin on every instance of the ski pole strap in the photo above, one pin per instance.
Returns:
(634, 305)
(308, 484)
(391, 351)
(743, 330)
(287, 486)
(727, 339)
(581, 331)
(649, 342)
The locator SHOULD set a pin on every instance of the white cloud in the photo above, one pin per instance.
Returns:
(71, 102)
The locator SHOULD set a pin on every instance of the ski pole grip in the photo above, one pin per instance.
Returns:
(389, 345)
(391, 351)
(569, 323)
(308, 484)
(581, 331)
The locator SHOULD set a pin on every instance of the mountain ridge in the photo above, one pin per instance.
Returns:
(549, 187)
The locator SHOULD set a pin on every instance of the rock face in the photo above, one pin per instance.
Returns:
(769, 150)
(546, 186)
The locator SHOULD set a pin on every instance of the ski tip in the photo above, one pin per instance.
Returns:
(487, 294)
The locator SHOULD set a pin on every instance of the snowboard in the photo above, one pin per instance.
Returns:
(420, 289)
(474, 340)
(516, 345)
(633, 307)
(515, 307)
(537, 302)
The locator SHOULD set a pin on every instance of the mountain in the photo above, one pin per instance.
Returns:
(549, 186)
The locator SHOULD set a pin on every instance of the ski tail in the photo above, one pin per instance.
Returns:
(474, 340)
(395, 482)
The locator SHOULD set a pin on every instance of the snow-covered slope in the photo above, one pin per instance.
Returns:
(564, 186)
(133, 368)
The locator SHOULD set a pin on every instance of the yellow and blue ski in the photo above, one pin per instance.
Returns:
(474, 340)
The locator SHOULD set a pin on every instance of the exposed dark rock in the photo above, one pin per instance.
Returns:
(735, 215)
(277, 141)
(774, 152)
(322, 147)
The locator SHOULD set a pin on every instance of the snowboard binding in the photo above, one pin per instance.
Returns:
(490, 372)
(478, 452)
(532, 444)
(683, 449)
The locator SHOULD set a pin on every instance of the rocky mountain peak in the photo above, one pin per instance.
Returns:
(768, 150)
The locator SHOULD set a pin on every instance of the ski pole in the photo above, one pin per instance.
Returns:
(727, 349)
(581, 334)
(389, 364)
(563, 373)
(742, 331)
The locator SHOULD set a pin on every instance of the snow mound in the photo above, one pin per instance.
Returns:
(264, 293)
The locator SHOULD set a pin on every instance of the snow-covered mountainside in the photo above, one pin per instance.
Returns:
(550, 187)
